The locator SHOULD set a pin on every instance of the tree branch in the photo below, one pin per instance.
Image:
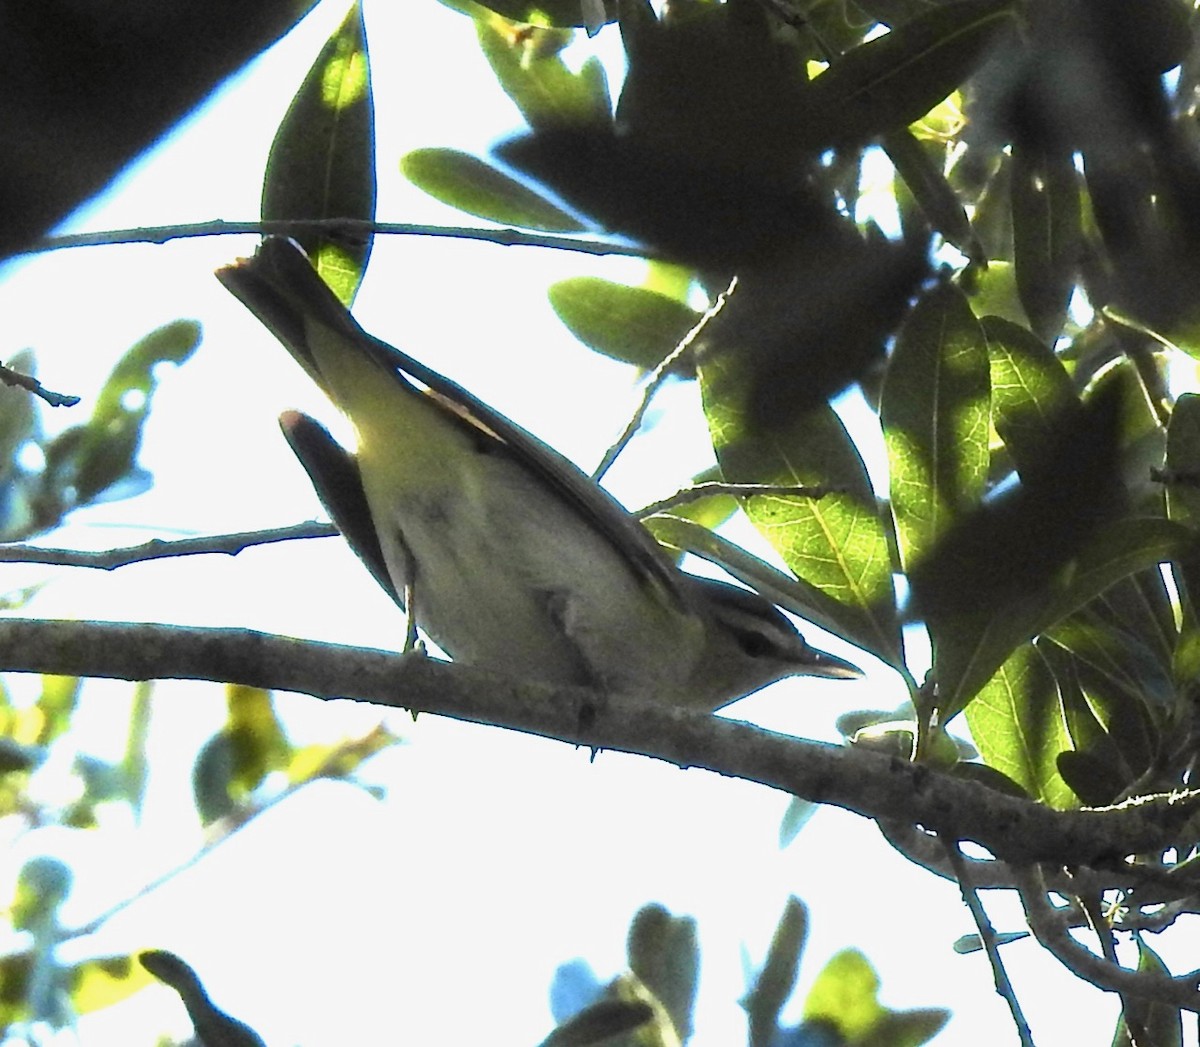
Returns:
(158, 549)
(868, 783)
(987, 935)
(349, 227)
(1052, 934)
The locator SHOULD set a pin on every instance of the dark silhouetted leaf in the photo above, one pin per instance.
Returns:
(601, 1023)
(83, 90)
(214, 1028)
(708, 219)
(712, 88)
(664, 955)
(1108, 737)
(774, 983)
(1046, 233)
(889, 82)
(1026, 558)
(212, 779)
(939, 203)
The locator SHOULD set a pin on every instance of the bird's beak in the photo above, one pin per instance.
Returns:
(830, 666)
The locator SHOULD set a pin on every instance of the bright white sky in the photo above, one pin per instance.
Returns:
(439, 915)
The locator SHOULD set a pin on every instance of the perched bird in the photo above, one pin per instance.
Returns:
(505, 553)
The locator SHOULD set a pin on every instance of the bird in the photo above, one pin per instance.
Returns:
(503, 551)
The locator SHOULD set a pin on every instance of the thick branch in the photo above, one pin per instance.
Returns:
(867, 783)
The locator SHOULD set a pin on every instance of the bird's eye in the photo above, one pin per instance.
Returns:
(754, 644)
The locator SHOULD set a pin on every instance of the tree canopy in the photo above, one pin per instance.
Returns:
(980, 217)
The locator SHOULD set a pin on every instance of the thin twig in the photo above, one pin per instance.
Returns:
(26, 381)
(1047, 925)
(229, 828)
(158, 549)
(659, 375)
(712, 488)
(349, 227)
(1100, 925)
(987, 935)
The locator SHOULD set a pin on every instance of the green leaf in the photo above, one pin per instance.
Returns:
(470, 185)
(589, 14)
(1016, 720)
(838, 543)
(322, 161)
(105, 981)
(56, 706)
(338, 760)
(994, 291)
(775, 982)
(1156, 1023)
(970, 943)
(258, 742)
(794, 594)
(83, 461)
(1047, 233)
(1031, 391)
(798, 814)
(665, 956)
(548, 94)
(894, 80)
(935, 412)
(845, 997)
(629, 324)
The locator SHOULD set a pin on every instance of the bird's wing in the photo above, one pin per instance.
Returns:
(334, 474)
(280, 287)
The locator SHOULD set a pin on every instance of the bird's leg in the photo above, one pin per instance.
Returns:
(412, 642)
